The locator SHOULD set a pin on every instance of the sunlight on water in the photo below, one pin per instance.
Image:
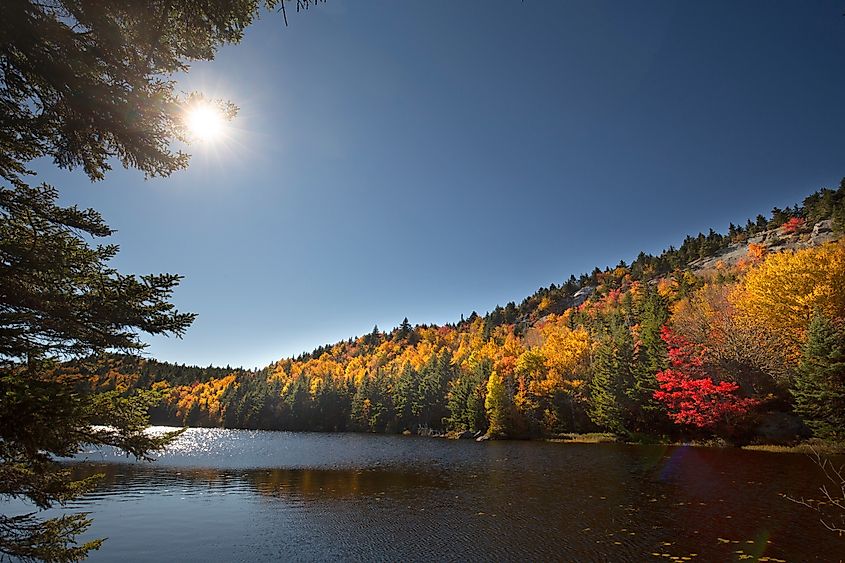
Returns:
(224, 495)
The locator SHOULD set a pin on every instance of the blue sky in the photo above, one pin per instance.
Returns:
(429, 159)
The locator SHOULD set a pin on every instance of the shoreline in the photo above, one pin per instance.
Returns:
(810, 447)
(813, 446)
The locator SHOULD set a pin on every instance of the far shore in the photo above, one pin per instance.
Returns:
(809, 447)
(813, 446)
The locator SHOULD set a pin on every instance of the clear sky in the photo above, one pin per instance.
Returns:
(428, 159)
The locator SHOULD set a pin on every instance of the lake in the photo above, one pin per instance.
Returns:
(236, 495)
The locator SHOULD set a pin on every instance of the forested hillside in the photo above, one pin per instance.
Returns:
(738, 335)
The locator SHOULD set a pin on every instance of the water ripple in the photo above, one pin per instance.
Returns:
(228, 495)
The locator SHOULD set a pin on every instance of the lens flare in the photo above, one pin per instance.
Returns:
(205, 122)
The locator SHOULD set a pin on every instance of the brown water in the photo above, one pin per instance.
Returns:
(228, 495)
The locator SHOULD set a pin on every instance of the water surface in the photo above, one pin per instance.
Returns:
(233, 495)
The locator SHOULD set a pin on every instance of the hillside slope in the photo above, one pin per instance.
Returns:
(685, 344)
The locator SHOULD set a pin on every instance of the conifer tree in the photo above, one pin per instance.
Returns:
(607, 387)
(83, 83)
(434, 378)
(819, 387)
(404, 330)
(466, 398)
(61, 299)
(649, 357)
(406, 398)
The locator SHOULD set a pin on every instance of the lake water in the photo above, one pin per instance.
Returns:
(234, 495)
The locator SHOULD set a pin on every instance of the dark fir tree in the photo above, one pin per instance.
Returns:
(819, 387)
(406, 398)
(405, 333)
(611, 377)
(434, 379)
(61, 300)
(648, 415)
(83, 83)
(466, 398)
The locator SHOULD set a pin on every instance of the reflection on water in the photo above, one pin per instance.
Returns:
(134, 481)
(246, 496)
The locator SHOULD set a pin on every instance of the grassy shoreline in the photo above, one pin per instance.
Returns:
(812, 446)
(587, 438)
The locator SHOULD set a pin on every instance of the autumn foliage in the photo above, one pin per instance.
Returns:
(787, 289)
(794, 225)
(690, 395)
(658, 348)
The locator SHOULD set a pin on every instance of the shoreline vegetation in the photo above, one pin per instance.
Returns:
(812, 446)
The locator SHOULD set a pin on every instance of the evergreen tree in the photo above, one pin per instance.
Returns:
(750, 227)
(466, 398)
(82, 83)
(779, 217)
(819, 387)
(648, 415)
(404, 331)
(604, 403)
(372, 405)
(382, 415)
(434, 378)
(297, 404)
(374, 338)
(838, 211)
(360, 412)
(406, 398)
(61, 299)
(611, 376)
(510, 313)
(332, 407)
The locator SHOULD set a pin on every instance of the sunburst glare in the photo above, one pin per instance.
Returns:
(205, 122)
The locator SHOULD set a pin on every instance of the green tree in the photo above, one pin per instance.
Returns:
(404, 331)
(648, 415)
(466, 398)
(372, 405)
(374, 338)
(59, 299)
(406, 398)
(819, 386)
(435, 376)
(84, 83)
(604, 403)
(611, 377)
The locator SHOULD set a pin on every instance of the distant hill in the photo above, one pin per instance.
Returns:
(590, 353)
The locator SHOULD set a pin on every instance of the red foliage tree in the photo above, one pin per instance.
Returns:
(794, 225)
(690, 395)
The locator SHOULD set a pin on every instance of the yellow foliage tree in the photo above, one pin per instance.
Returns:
(566, 351)
(732, 342)
(497, 403)
(785, 290)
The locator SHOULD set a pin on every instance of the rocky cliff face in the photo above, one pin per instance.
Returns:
(774, 240)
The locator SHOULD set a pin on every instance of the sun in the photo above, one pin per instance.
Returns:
(205, 122)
